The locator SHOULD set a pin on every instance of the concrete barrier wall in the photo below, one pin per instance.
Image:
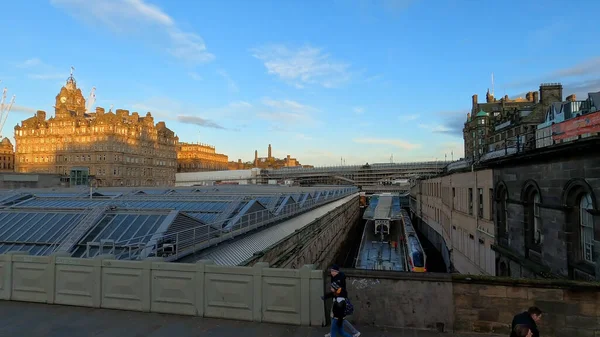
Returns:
(316, 243)
(257, 293)
(469, 303)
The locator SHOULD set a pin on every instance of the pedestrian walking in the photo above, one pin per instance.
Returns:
(529, 318)
(338, 290)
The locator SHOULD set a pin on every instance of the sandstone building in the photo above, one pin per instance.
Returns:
(116, 148)
(7, 156)
(268, 162)
(196, 157)
(456, 213)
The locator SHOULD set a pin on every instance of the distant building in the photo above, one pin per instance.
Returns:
(268, 162)
(497, 124)
(116, 148)
(7, 156)
(199, 157)
(532, 208)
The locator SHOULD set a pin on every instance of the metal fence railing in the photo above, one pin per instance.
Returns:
(522, 143)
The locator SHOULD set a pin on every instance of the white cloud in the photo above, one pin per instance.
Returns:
(23, 109)
(30, 63)
(134, 15)
(49, 76)
(283, 113)
(202, 122)
(302, 66)
(408, 118)
(195, 76)
(231, 84)
(401, 144)
(436, 128)
(359, 110)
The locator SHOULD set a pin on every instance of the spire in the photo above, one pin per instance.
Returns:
(71, 83)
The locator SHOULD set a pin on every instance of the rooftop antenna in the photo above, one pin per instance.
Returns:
(492, 84)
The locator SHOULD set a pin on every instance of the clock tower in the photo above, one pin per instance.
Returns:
(69, 101)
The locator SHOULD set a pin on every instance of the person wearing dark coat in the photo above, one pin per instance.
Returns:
(338, 290)
(529, 318)
(338, 283)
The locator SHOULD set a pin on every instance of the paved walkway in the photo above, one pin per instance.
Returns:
(33, 320)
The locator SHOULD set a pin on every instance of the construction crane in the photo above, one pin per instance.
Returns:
(5, 109)
(91, 100)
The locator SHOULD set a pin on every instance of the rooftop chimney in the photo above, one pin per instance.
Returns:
(269, 154)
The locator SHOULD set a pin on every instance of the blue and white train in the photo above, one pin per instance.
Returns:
(415, 255)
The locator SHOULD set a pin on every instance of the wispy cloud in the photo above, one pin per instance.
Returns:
(38, 70)
(451, 123)
(48, 76)
(195, 76)
(32, 62)
(173, 110)
(401, 144)
(23, 109)
(373, 78)
(285, 113)
(127, 16)
(436, 128)
(205, 123)
(408, 118)
(583, 71)
(303, 66)
(231, 84)
(585, 68)
(359, 110)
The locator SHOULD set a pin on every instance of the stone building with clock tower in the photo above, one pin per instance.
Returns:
(114, 148)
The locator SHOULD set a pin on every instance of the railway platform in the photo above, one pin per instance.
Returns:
(37, 320)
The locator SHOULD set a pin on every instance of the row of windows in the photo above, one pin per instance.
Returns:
(215, 157)
(580, 221)
(150, 134)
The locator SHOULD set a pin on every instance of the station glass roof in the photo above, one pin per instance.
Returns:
(122, 221)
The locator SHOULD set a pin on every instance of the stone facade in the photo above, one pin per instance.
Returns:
(315, 244)
(547, 215)
(199, 158)
(7, 156)
(116, 148)
(455, 212)
(471, 304)
(500, 123)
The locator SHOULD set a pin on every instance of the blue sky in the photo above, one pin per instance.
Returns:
(318, 79)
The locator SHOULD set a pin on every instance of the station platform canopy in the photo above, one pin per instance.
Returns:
(125, 222)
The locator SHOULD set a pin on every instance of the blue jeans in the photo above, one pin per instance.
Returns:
(335, 329)
(350, 327)
(346, 325)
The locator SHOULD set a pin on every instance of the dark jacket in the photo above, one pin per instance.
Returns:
(525, 319)
(338, 281)
(339, 311)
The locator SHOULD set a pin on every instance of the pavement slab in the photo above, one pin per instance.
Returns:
(43, 320)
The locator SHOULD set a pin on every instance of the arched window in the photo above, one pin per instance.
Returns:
(533, 223)
(502, 228)
(537, 221)
(586, 223)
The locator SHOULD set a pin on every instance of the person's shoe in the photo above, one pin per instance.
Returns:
(328, 335)
(356, 334)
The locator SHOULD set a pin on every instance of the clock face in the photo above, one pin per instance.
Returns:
(63, 99)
